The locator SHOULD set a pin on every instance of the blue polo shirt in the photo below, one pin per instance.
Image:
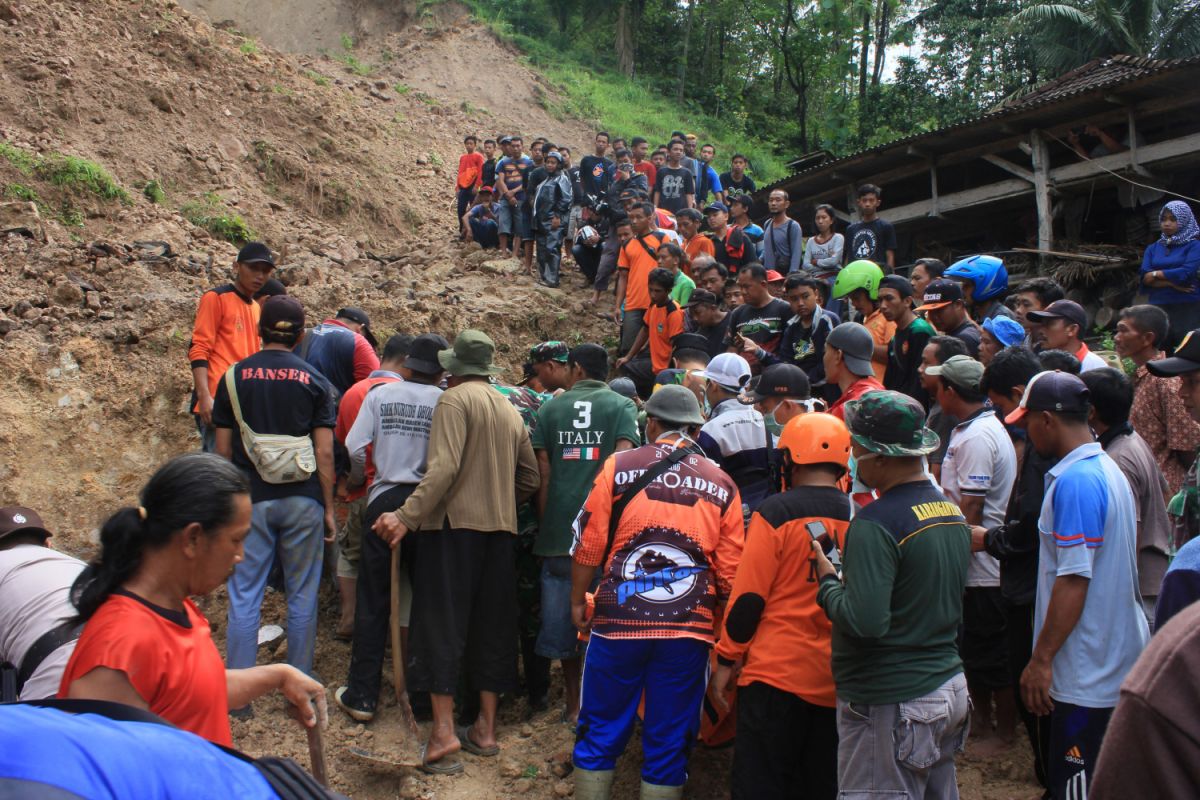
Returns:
(1088, 527)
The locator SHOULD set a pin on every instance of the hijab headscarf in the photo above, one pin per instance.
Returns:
(1188, 230)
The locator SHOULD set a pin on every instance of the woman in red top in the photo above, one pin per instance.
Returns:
(145, 643)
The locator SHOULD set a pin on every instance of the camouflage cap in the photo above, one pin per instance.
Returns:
(890, 424)
(549, 351)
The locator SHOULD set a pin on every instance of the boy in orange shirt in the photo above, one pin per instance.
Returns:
(786, 709)
(470, 175)
(663, 321)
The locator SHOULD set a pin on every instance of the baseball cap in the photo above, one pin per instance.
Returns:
(1052, 391)
(856, 344)
(485, 189)
(355, 314)
(1186, 358)
(423, 353)
(782, 380)
(729, 371)
(940, 293)
(255, 252)
(19, 519)
(773, 275)
(1061, 309)
(889, 423)
(675, 404)
(702, 297)
(960, 370)
(689, 341)
(549, 351)
(557, 156)
(716, 205)
(1006, 330)
(505, 140)
(898, 282)
(282, 314)
(624, 387)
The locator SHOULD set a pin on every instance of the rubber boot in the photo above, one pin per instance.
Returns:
(593, 784)
(652, 791)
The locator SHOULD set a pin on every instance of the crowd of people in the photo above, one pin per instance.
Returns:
(843, 515)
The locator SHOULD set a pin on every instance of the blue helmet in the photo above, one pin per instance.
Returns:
(986, 272)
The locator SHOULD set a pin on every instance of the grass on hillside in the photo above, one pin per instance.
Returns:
(628, 108)
(211, 213)
(74, 174)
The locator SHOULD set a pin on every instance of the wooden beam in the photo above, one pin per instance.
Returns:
(913, 150)
(980, 195)
(934, 211)
(851, 200)
(1010, 167)
(1146, 154)
(1041, 190)
(1131, 128)
(1025, 148)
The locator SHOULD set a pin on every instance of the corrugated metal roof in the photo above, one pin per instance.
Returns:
(1101, 74)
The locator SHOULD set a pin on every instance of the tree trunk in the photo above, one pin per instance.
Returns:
(681, 76)
(882, 29)
(624, 39)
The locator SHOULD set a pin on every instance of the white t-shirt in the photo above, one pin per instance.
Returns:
(981, 461)
(35, 588)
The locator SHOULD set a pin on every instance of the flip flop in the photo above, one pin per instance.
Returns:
(464, 736)
(439, 767)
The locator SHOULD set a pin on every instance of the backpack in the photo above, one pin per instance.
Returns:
(278, 458)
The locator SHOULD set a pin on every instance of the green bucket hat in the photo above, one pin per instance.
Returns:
(471, 355)
(890, 424)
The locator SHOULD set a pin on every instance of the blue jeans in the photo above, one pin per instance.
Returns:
(673, 673)
(557, 637)
(294, 526)
(485, 231)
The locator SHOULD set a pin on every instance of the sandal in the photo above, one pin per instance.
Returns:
(440, 767)
(464, 736)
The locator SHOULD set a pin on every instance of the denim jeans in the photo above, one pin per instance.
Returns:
(294, 526)
(905, 750)
(558, 638)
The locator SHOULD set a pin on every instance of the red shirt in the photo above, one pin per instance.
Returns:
(175, 667)
(470, 170)
(648, 169)
(366, 360)
(348, 410)
(853, 392)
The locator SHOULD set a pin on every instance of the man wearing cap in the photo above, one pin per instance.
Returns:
(275, 392)
(549, 360)
(226, 331)
(667, 554)
(342, 348)
(847, 361)
(902, 701)
(1061, 326)
(731, 247)
(708, 320)
(1089, 628)
(782, 394)
(480, 466)
(37, 628)
(482, 222)
(998, 333)
(944, 307)
(551, 206)
(392, 429)
(354, 493)
(1185, 364)
(978, 472)
(908, 340)
(736, 436)
(576, 432)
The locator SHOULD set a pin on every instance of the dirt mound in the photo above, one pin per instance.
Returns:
(307, 26)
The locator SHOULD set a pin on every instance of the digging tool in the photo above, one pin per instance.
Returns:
(408, 721)
(381, 759)
(316, 746)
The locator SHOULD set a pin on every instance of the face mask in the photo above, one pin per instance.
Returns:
(859, 486)
(773, 426)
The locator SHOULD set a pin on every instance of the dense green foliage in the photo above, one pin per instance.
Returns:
(780, 78)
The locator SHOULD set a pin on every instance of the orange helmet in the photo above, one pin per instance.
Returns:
(816, 439)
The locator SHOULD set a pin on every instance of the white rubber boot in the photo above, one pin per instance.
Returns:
(593, 784)
(651, 791)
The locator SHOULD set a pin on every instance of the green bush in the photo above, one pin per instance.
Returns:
(23, 160)
(80, 174)
(17, 191)
(153, 191)
(211, 213)
(249, 47)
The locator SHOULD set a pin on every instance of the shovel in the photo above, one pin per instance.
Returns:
(407, 719)
(316, 748)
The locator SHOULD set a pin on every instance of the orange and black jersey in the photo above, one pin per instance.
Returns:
(225, 332)
(774, 622)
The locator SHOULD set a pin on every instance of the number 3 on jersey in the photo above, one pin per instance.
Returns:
(584, 417)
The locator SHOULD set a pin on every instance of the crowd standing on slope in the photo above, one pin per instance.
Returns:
(844, 516)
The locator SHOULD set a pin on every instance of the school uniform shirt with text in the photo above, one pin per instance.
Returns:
(280, 393)
(676, 548)
(663, 324)
(394, 421)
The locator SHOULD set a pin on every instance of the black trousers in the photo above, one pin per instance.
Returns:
(588, 259)
(641, 371)
(464, 616)
(1075, 736)
(1019, 630)
(372, 604)
(785, 747)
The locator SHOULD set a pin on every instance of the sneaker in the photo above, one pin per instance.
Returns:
(360, 711)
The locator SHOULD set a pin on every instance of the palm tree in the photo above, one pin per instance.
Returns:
(1069, 33)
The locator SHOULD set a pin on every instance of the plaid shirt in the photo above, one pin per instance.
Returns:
(1159, 417)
